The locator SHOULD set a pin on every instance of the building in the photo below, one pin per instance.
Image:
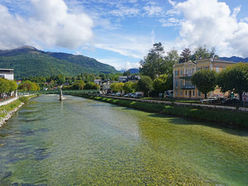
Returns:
(182, 86)
(123, 79)
(7, 73)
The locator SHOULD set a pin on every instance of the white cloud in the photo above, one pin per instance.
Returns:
(212, 23)
(119, 64)
(170, 22)
(153, 10)
(125, 11)
(172, 2)
(51, 24)
(126, 45)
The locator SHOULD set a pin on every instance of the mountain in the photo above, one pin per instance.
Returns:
(28, 62)
(234, 59)
(133, 70)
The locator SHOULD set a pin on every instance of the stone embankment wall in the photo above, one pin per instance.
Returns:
(9, 115)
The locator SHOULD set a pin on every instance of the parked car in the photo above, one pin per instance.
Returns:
(209, 100)
(168, 94)
(230, 101)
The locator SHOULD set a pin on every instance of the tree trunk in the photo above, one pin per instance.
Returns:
(240, 96)
(206, 95)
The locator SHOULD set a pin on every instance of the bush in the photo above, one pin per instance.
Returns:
(24, 99)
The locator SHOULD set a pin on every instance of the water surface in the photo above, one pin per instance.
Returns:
(81, 141)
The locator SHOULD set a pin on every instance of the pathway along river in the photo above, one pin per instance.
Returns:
(81, 141)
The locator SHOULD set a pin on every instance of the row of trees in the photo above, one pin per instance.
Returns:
(52, 81)
(234, 78)
(80, 85)
(7, 86)
(29, 86)
(145, 84)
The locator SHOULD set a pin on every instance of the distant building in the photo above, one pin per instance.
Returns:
(98, 81)
(123, 79)
(182, 73)
(7, 73)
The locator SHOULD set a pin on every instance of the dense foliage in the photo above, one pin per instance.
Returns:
(161, 84)
(204, 80)
(145, 84)
(234, 78)
(117, 87)
(28, 86)
(7, 86)
(155, 63)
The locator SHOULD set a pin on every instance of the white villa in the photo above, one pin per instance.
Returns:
(7, 73)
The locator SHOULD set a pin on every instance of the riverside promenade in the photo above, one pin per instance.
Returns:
(242, 109)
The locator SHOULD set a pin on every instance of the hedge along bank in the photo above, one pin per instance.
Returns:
(222, 117)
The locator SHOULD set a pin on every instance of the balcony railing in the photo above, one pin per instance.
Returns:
(188, 87)
(186, 76)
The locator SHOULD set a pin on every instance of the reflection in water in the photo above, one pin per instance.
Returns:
(80, 141)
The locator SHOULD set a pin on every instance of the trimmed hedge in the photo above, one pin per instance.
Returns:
(229, 118)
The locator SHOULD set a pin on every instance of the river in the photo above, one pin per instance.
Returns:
(81, 141)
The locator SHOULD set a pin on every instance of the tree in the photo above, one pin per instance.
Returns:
(234, 78)
(185, 55)
(155, 63)
(129, 87)
(60, 79)
(203, 53)
(204, 80)
(160, 84)
(12, 86)
(4, 86)
(28, 86)
(78, 85)
(151, 65)
(117, 87)
(92, 86)
(145, 85)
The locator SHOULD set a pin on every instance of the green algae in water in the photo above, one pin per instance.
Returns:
(81, 141)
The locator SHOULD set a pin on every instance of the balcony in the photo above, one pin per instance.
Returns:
(186, 76)
(188, 87)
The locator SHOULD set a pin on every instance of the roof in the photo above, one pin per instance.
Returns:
(6, 69)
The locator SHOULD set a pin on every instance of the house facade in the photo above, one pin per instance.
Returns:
(7, 73)
(182, 73)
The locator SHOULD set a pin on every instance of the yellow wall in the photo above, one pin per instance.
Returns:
(181, 70)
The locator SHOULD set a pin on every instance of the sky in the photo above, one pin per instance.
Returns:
(121, 32)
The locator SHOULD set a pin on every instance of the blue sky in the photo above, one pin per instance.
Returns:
(121, 32)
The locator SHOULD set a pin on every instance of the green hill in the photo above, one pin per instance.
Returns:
(29, 62)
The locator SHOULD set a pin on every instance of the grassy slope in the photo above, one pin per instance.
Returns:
(7, 108)
(223, 117)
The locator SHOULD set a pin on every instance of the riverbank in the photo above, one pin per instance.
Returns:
(7, 111)
(233, 119)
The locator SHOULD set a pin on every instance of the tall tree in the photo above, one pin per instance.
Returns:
(185, 55)
(145, 85)
(204, 80)
(234, 78)
(155, 63)
(160, 84)
(203, 53)
(129, 87)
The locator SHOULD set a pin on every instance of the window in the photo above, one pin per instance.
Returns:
(217, 69)
(199, 93)
(176, 83)
(186, 93)
(193, 93)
